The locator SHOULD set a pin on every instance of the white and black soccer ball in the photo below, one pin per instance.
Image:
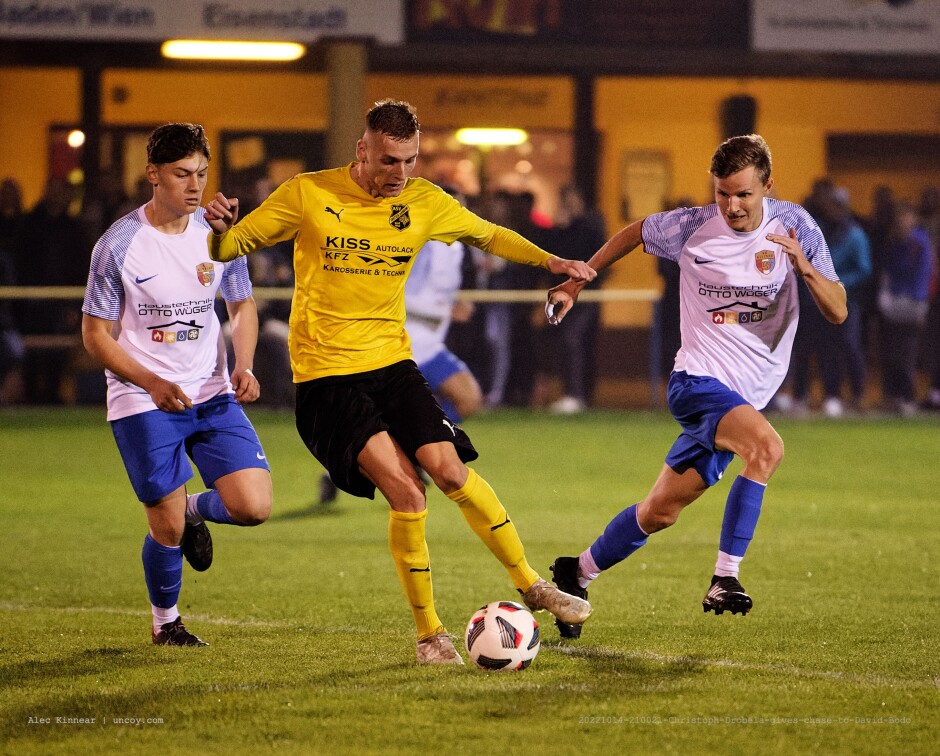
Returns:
(502, 635)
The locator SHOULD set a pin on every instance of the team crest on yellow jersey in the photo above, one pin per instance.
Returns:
(399, 218)
(205, 272)
(765, 260)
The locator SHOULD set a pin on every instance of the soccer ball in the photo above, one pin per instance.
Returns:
(502, 635)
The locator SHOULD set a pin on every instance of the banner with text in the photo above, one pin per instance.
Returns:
(900, 27)
(248, 20)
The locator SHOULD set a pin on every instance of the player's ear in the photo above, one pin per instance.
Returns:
(152, 175)
(361, 151)
(769, 185)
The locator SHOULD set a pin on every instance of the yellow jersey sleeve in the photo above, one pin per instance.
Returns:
(352, 255)
(279, 221)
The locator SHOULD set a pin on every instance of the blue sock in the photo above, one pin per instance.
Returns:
(622, 536)
(163, 571)
(450, 410)
(210, 506)
(741, 512)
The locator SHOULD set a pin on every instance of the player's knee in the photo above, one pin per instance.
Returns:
(767, 454)
(469, 403)
(251, 510)
(449, 475)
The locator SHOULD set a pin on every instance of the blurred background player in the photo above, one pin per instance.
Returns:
(363, 409)
(149, 319)
(739, 259)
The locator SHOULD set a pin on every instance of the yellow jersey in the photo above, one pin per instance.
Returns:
(352, 254)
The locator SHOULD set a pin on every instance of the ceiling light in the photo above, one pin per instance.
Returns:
(226, 50)
(491, 137)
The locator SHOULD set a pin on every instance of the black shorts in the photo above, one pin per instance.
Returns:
(337, 415)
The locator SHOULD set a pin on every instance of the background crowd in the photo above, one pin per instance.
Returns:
(885, 358)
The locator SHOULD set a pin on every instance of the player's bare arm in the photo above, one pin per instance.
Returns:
(829, 295)
(243, 316)
(222, 212)
(562, 297)
(100, 344)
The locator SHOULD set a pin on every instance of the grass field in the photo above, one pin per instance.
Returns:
(312, 644)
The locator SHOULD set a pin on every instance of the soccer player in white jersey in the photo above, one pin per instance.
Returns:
(738, 260)
(149, 318)
(430, 298)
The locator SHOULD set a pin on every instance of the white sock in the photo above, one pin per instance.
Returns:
(727, 565)
(162, 616)
(587, 569)
(192, 513)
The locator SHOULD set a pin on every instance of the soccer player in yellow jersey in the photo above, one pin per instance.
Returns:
(362, 408)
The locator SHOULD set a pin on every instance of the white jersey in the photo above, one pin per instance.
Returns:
(160, 289)
(430, 292)
(738, 292)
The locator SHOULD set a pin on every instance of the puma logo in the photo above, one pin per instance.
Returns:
(336, 213)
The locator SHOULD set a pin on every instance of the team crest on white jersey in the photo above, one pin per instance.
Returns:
(205, 272)
(399, 218)
(766, 261)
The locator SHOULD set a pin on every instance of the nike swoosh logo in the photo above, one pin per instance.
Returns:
(702, 261)
(259, 455)
(171, 587)
(415, 569)
(144, 280)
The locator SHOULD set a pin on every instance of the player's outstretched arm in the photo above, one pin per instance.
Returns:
(562, 297)
(100, 344)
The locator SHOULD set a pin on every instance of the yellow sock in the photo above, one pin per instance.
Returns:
(410, 552)
(487, 517)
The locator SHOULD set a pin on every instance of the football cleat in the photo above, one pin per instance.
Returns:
(175, 634)
(542, 595)
(197, 546)
(565, 575)
(726, 593)
(438, 649)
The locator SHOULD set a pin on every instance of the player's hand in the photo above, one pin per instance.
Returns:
(222, 212)
(169, 397)
(793, 249)
(247, 388)
(561, 299)
(575, 269)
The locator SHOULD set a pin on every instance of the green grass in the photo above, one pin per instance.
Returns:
(313, 648)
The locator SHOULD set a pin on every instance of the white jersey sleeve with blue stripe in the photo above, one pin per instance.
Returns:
(738, 292)
(160, 290)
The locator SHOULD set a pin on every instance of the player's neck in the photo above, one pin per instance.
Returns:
(165, 220)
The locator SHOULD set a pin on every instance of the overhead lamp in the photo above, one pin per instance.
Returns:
(477, 137)
(203, 49)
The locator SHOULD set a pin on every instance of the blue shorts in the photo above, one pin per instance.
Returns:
(216, 435)
(698, 402)
(442, 366)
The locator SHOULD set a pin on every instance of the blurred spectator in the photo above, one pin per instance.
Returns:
(929, 211)
(109, 203)
(903, 300)
(579, 233)
(51, 252)
(508, 325)
(11, 343)
(851, 256)
(878, 227)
